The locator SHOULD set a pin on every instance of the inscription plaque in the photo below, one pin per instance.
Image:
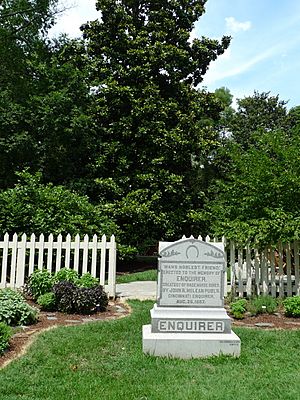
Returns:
(191, 276)
(189, 319)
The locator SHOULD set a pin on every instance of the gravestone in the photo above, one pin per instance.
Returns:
(189, 319)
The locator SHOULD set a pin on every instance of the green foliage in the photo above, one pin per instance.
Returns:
(87, 281)
(261, 305)
(47, 301)
(238, 308)
(66, 274)
(66, 291)
(32, 206)
(89, 300)
(73, 299)
(257, 115)
(14, 310)
(64, 296)
(292, 306)
(39, 283)
(23, 28)
(152, 119)
(255, 306)
(5, 335)
(257, 200)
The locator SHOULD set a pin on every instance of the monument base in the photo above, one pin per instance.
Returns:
(190, 345)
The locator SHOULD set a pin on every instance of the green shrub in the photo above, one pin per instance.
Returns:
(87, 281)
(14, 310)
(64, 296)
(292, 306)
(73, 299)
(47, 301)
(89, 300)
(67, 275)
(238, 308)
(262, 304)
(39, 283)
(5, 335)
(31, 206)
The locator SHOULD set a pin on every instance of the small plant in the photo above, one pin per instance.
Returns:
(64, 296)
(89, 300)
(262, 304)
(292, 306)
(73, 299)
(66, 274)
(238, 308)
(14, 310)
(47, 301)
(5, 335)
(39, 282)
(87, 281)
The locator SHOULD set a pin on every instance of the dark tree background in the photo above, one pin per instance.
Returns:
(119, 116)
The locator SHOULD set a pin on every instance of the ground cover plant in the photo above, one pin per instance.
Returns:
(292, 306)
(105, 360)
(5, 335)
(254, 306)
(14, 310)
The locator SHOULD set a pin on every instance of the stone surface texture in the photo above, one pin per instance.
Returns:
(189, 319)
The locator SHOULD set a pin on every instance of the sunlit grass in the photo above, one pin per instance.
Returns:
(149, 275)
(105, 360)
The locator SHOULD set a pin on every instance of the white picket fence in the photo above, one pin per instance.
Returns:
(274, 270)
(19, 257)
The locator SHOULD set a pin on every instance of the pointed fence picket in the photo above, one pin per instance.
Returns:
(273, 270)
(19, 257)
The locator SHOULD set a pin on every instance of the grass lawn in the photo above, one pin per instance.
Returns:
(150, 275)
(104, 360)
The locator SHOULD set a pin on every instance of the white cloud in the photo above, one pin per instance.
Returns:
(236, 26)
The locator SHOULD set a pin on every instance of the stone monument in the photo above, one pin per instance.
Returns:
(189, 319)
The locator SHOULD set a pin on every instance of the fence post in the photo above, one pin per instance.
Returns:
(41, 246)
(50, 252)
(112, 268)
(31, 254)
(103, 260)
(232, 267)
(273, 276)
(4, 260)
(14, 246)
(248, 271)
(94, 255)
(225, 259)
(21, 261)
(280, 266)
(296, 256)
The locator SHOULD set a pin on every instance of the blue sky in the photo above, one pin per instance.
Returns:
(264, 54)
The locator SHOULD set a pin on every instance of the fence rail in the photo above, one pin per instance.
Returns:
(19, 257)
(273, 270)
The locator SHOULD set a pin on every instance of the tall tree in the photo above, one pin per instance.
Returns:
(23, 27)
(259, 200)
(259, 113)
(154, 124)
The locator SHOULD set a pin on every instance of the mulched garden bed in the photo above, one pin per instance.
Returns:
(47, 320)
(268, 321)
